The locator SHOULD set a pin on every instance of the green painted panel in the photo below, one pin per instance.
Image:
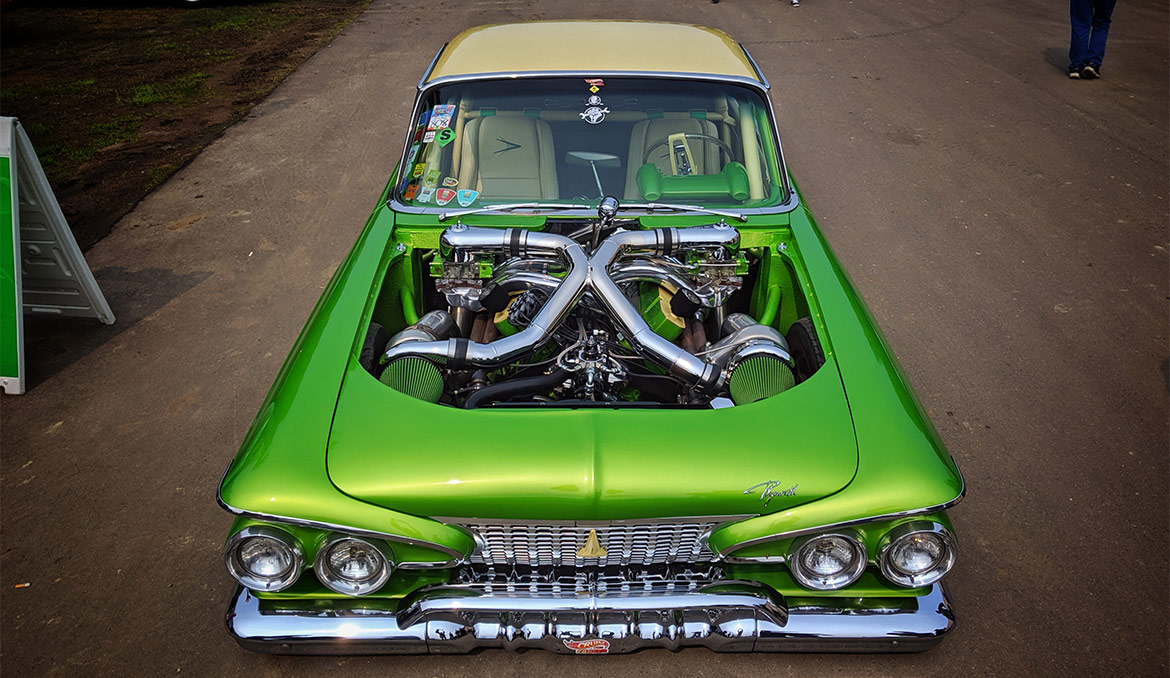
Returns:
(10, 335)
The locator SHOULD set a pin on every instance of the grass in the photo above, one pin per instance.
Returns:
(116, 99)
(61, 89)
(176, 91)
(59, 159)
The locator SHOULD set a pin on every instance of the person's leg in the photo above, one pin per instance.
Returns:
(1102, 17)
(1081, 17)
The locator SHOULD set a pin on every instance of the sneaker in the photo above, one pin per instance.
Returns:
(1090, 72)
(1074, 75)
(796, 3)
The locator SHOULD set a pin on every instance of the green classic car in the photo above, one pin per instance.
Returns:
(591, 380)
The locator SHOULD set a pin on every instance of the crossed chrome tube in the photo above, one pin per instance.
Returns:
(583, 273)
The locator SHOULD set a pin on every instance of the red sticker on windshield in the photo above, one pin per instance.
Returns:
(594, 84)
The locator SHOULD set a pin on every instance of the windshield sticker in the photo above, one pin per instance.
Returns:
(441, 116)
(408, 194)
(425, 194)
(445, 136)
(467, 196)
(432, 179)
(596, 110)
(418, 170)
(595, 84)
(428, 137)
(444, 196)
(450, 182)
(412, 154)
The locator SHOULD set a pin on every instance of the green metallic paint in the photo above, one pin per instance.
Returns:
(333, 446)
(587, 464)
(904, 466)
(281, 469)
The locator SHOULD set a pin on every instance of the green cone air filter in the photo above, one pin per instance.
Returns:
(417, 377)
(759, 377)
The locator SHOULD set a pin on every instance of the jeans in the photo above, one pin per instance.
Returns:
(1090, 29)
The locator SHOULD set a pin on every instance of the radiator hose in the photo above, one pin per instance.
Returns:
(516, 387)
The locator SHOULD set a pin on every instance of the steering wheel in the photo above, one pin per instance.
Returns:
(689, 135)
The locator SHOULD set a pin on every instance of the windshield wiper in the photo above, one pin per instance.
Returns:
(658, 206)
(443, 216)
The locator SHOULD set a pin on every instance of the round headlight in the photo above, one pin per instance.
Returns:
(827, 561)
(916, 553)
(353, 566)
(264, 558)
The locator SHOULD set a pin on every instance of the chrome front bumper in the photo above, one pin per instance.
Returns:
(732, 617)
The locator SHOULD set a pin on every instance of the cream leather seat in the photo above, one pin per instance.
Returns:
(509, 156)
(648, 132)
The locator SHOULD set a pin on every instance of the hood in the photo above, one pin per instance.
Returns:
(412, 456)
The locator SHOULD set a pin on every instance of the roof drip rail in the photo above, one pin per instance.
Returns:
(422, 81)
(767, 85)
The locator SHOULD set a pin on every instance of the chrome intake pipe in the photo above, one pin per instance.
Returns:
(741, 333)
(585, 273)
(662, 241)
(516, 242)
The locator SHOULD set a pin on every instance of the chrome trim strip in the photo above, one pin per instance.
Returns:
(426, 74)
(457, 522)
(457, 558)
(736, 616)
(832, 526)
(767, 85)
(512, 75)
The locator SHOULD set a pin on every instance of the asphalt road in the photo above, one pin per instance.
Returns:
(1007, 226)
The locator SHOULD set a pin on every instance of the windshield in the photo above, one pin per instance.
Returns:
(574, 140)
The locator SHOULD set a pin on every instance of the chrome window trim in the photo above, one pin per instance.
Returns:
(791, 199)
(457, 557)
(513, 75)
(722, 554)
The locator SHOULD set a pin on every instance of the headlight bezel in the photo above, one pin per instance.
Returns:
(250, 579)
(819, 582)
(339, 584)
(906, 530)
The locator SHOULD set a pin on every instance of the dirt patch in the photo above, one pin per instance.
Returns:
(116, 97)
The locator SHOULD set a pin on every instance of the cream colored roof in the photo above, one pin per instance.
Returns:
(593, 46)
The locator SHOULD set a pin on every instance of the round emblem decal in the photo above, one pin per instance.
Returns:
(596, 110)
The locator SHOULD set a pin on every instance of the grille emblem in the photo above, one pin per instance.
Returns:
(591, 646)
(592, 547)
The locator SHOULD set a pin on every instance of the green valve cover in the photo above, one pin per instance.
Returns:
(654, 302)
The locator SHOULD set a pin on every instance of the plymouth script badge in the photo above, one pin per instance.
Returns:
(593, 646)
(770, 490)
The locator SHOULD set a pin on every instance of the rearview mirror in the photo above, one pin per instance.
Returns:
(587, 158)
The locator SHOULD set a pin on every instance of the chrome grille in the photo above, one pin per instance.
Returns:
(626, 544)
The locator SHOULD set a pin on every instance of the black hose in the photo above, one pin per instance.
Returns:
(656, 386)
(515, 387)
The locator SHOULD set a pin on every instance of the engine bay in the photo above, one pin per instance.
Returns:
(592, 313)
